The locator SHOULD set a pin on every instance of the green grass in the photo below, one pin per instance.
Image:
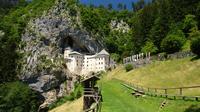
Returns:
(171, 73)
(117, 98)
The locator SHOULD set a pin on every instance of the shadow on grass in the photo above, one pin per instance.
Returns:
(195, 58)
(193, 108)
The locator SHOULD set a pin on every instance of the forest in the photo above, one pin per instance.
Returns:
(161, 26)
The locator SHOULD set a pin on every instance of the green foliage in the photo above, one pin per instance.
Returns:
(13, 24)
(77, 93)
(121, 44)
(195, 45)
(194, 36)
(186, 46)
(17, 97)
(115, 57)
(128, 67)
(149, 47)
(189, 22)
(173, 42)
(154, 21)
(194, 33)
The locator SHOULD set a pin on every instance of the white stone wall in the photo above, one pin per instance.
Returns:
(84, 64)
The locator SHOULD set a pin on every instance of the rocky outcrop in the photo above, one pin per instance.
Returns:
(120, 26)
(43, 43)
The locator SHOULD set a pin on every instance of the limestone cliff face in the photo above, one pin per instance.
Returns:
(120, 26)
(43, 43)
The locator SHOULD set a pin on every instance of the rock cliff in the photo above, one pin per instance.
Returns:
(43, 44)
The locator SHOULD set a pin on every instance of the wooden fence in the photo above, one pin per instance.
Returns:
(96, 96)
(156, 92)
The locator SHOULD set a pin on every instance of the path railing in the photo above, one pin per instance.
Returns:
(163, 92)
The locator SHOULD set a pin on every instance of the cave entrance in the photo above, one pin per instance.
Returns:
(68, 41)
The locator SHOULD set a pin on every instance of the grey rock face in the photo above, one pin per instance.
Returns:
(43, 43)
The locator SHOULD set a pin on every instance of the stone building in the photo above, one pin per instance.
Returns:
(84, 64)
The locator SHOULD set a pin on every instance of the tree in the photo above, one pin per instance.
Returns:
(133, 6)
(195, 43)
(125, 7)
(115, 56)
(149, 47)
(189, 23)
(141, 4)
(120, 6)
(172, 43)
(17, 97)
(110, 6)
(101, 6)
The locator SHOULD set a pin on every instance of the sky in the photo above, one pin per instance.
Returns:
(106, 2)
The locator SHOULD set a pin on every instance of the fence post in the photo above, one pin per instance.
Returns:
(155, 90)
(197, 99)
(165, 91)
(181, 91)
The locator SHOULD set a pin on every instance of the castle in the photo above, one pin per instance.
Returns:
(84, 64)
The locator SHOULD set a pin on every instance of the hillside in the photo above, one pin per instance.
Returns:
(171, 73)
(117, 98)
(75, 106)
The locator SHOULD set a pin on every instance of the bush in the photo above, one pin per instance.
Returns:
(172, 43)
(149, 47)
(195, 46)
(77, 93)
(115, 56)
(17, 97)
(128, 67)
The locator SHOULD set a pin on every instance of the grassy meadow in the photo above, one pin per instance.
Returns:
(171, 73)
(117, 98)
(163, 74)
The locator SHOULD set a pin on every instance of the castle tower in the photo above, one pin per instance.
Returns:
(67, 52)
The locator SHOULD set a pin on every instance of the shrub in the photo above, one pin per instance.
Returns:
(77, 93)
(149, 47)
(115, 56)
(172, 43)
(195, 46)
(128, 67)
(17, 97)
